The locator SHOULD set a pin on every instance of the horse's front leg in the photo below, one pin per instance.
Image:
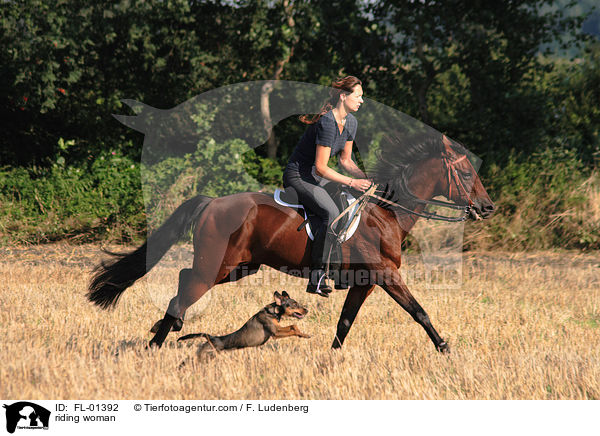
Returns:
(397, 289)
(354, 300)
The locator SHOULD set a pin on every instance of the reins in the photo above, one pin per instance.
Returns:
(429, 215)
(361, 202)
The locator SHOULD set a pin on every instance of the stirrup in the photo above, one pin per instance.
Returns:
(321, 287)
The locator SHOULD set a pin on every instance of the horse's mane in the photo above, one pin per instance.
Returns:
(396, 156)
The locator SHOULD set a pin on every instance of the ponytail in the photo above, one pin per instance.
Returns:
(345, 84)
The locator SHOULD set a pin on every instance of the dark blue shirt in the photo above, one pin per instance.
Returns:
(324, 132)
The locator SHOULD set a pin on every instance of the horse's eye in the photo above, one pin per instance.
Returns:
(467, 175)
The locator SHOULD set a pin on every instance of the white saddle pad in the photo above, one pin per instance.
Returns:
(351, 200)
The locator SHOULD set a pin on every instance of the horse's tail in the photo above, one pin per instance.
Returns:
(196, 335)
(112, 278)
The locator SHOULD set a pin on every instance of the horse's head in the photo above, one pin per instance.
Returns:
(427, 165)
(460, 183)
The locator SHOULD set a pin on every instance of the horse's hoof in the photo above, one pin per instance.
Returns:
(152, 346)
(176, 327)
(337, 345)
(155, 327)
(443, 347)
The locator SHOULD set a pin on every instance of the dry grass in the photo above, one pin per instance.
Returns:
(523, 326)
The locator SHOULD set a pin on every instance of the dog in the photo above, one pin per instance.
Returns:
(263, 326)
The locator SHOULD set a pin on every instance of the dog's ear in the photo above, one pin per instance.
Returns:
(285, 294)
(277, 296)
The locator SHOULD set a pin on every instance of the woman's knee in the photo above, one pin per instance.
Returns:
(331, 213)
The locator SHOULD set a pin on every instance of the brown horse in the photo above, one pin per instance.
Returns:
(234, 235)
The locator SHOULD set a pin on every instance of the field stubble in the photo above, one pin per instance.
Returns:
(522, 326)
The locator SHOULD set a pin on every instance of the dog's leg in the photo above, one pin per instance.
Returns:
(210, 349)
(291, 330)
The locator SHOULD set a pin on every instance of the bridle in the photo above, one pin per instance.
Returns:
(453, 174)
(453, 178)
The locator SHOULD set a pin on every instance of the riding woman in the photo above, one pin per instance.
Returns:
(329, 133)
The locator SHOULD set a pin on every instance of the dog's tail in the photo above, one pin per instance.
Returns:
(196, 335)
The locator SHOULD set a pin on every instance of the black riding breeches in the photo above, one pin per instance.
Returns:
(311, 194)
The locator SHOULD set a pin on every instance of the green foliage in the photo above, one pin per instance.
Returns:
(574, 111)
(66, 65)
(213, 169)
(548, 199)
(480, 64)
(266, 171)
(72, 202)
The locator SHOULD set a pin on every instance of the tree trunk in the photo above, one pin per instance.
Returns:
(267, 89)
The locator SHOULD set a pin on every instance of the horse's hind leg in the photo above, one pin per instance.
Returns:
(184, 277)
(191, 287)
(220, 243)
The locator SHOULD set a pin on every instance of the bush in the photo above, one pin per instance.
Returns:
(545, 200)
(549, 199)
(72, 202)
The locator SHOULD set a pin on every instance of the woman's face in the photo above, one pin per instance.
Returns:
(354, 99)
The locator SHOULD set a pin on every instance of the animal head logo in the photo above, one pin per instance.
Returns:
(26, 415)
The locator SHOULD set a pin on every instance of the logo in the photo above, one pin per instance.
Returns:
(26, 415)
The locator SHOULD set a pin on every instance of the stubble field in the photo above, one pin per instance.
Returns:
(522, 326)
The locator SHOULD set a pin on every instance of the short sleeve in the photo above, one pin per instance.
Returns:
(352, 128)
(325, 132)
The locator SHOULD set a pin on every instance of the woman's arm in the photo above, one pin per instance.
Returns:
(321, 160)
(323, 170)
(348, 164)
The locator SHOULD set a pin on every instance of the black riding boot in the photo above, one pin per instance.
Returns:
(335, 259)
(317, 282)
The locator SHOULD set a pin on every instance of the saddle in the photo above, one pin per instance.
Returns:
(341, 197)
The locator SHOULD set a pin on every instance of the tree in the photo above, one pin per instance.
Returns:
(67, 64)
(493, 45)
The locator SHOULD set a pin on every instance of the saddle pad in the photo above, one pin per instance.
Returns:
(351, 200)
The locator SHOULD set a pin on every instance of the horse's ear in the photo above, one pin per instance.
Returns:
(285, 294)
(447, 144)
(278, 298)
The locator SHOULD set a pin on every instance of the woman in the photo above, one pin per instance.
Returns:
(329, 133)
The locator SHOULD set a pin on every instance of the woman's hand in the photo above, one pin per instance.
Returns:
(360, 184)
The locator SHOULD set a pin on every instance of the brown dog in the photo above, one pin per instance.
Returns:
(258, 329)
